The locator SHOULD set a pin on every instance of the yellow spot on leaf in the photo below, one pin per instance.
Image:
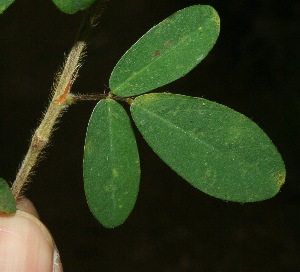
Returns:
(115, 172)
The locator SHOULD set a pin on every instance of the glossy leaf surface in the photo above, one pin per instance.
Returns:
(167, 51)
(218, 150)
(73, 6)
(111, 164)
(4, 4)
(7, 200)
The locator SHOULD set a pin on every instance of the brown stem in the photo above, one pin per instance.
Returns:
(87, 97)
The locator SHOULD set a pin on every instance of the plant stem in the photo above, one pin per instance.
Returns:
(58, 103)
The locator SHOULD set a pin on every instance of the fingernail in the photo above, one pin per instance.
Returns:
(57, 266)
(25, 244)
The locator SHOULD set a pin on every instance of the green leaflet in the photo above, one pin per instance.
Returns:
(4, 4)
(111, 164)
(167, 51)
(73, 6)
(216, 149)
(7, 200)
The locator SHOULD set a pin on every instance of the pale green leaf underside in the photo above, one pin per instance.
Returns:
(4, 4)
(7, 200)
(111, 164)
(167, 51)
(218, 150)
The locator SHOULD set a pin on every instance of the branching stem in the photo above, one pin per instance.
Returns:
(58, 103)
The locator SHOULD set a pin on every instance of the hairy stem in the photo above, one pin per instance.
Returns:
(58, 103)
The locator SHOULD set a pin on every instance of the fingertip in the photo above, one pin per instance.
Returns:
(26, 244)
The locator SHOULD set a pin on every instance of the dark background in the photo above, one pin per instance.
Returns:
(254, 69)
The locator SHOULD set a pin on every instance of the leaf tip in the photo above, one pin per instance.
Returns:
(280, 179)
(216, 18)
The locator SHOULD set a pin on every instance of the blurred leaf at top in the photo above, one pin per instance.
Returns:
(73, 6)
